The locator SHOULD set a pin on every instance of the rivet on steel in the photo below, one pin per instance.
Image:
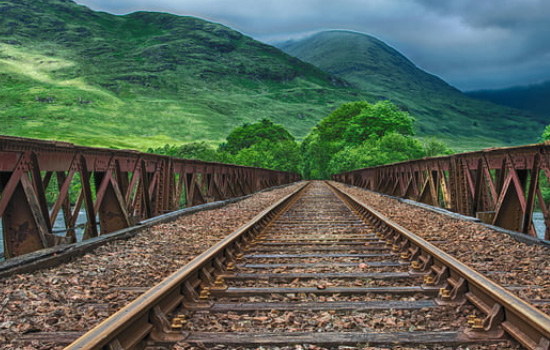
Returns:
(471, 321)
(444, 293)
(477, 325)
(177, 323)
(429, 280)
(219, 283)
(205, 293)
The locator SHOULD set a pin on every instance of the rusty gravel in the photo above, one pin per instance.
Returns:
(496, 255)
(76, 296)
(442, 318)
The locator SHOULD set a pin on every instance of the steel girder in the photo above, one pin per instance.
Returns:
(40, 180)
(501, 186)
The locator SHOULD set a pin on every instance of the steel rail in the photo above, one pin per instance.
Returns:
(140, 318)
(521, 320)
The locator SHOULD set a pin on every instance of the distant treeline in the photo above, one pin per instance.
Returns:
(356, 135)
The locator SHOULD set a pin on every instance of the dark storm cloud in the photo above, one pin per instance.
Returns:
(512, 41)
(470, 43)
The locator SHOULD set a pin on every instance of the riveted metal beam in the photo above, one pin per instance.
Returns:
(115, 188)
(502, 186)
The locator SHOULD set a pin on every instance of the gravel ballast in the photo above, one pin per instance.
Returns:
(76, 296)
(495, 254)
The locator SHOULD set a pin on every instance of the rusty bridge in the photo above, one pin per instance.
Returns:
(310, 264)
(501, 186)
(116, 189)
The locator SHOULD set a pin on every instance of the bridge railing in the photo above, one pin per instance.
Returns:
(501, 186)
(41, 181)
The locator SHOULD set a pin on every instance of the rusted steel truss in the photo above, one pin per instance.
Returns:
(40, 180)
(501, 186)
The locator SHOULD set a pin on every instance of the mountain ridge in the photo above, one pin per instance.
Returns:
(148, 79)
(534, 98)
(441, 110)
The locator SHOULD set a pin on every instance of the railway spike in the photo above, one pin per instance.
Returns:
(477, 324)
(204, 293)
(163, 330)
(177, 324)
(219, 284)
(444, 294)
(471, 321)
(429, 280)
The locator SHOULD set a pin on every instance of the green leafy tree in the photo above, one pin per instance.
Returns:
(262, 144)
(265, 145)
(434, 147)
(390, 148)
(379, 119)
(335, 125)
(315, 152)
(546, 133)
(193, 150)
(360, 134)
(247, 135)
(284, 155)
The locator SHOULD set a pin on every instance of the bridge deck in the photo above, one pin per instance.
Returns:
(57, 305)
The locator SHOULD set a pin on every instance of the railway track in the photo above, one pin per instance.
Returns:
(319, 268)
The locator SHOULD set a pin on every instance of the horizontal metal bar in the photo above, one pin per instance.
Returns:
(355, 306)
(233, 292)
(318, 275)
(307, 256)
(315, 265)
(331, 339)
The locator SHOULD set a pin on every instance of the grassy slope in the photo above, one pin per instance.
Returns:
(147, 79)
(532, 98)
(440, 109)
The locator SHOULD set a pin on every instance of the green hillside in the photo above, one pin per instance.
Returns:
(147, 79)
(441, 110)
(532, 98)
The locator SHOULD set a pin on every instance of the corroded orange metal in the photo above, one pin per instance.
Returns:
(502, 186)
(116, 188)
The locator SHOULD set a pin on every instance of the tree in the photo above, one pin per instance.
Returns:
(262, 144)
(434, 147)
(379, 119)
(390, 148)
(247, 135)
(283, 155)
(360, 134)
(546, 134)
(315, 153)
(193, 150)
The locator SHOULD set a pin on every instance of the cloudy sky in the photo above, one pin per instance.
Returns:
(472, 44)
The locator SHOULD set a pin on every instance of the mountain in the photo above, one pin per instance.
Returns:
(146, 79)
(440, 109)
(531, 98)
